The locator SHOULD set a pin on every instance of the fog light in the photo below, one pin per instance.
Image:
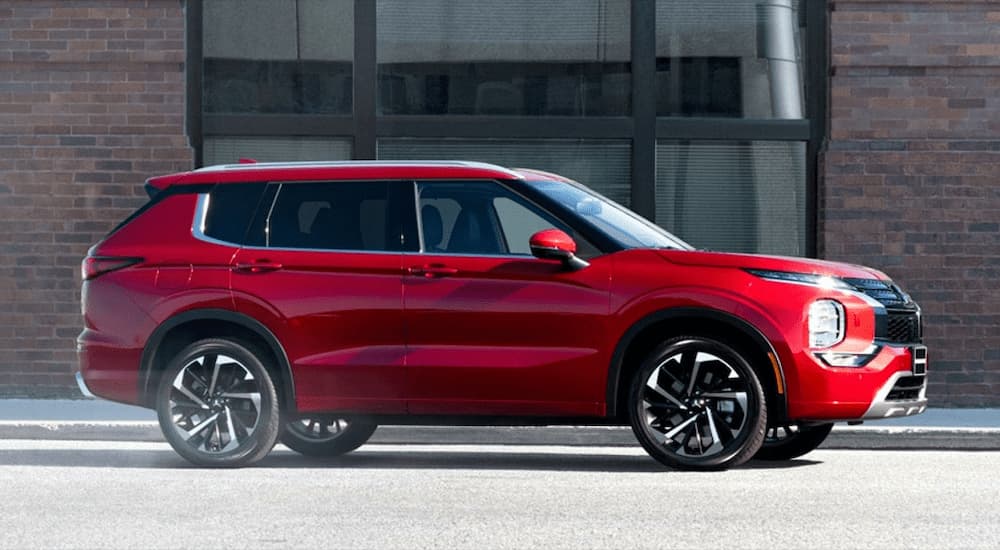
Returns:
(826, 323)
(861, 359)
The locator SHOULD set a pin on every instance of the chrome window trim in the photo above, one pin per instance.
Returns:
(201, 215)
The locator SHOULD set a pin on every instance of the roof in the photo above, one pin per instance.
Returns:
(340, 170)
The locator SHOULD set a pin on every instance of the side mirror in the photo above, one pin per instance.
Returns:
(553, 244)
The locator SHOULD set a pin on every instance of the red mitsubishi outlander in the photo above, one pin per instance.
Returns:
(311, 302)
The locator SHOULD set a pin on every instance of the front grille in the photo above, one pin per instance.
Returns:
(906, 388)
(902, 327)
(884, 292)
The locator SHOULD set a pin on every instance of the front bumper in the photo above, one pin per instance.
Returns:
(904, 394)
(892, 384)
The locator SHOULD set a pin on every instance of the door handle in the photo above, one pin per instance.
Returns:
(257, 266)
(431, 271)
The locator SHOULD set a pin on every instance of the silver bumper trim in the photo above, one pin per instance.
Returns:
(880, 408)
(83, 386)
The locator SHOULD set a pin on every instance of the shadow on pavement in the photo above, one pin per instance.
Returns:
(444, 460)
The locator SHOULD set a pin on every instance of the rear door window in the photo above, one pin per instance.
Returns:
(333, 216)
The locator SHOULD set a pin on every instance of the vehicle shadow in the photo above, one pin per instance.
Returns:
(365, 460)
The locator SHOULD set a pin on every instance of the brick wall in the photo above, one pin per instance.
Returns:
(911, 178)
(91, 103)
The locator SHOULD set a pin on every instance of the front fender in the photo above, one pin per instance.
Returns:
(696, 303)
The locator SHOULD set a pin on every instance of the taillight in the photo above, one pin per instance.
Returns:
(94, 266)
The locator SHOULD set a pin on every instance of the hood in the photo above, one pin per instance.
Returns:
(771, 263)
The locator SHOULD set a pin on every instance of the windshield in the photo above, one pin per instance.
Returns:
(618, 222)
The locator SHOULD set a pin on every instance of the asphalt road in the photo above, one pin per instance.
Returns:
(141, 495)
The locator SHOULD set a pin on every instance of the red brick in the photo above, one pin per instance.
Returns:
(63, 188)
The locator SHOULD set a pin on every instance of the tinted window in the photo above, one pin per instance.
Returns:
(480, 218)
(516, 57)
(278, 56)
(230, 209)
(331, 216)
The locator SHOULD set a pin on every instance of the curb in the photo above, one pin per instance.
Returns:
(842, 437)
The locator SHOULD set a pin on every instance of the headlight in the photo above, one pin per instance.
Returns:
(826, 323)
(824, 281)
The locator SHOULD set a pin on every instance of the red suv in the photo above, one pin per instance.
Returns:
(313, 301)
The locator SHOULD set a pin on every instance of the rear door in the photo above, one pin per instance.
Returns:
(322, 267)
(491, 329)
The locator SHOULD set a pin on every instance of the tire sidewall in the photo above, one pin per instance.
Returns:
(806, 440)
(742, 448)
(266, 432)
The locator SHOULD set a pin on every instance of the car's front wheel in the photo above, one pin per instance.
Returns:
(326, 436)
(696, 404)
(792, 441)
(217, 404)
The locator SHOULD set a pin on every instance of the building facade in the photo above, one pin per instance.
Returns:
(862, 130)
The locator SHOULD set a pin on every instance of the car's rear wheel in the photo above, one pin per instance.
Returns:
(792, 441)
(326, 436)
(217, 404)
(696, 404)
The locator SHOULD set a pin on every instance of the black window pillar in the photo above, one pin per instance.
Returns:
(365, 79)
(644, 108)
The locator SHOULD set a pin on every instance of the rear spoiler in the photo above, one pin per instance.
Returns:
(156, 184)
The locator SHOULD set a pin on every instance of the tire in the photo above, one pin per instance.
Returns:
(788, 442)
(324, 436)
(696, 404)
(217, 404)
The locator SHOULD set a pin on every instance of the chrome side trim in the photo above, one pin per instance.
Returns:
(880, 408)
(83, 386)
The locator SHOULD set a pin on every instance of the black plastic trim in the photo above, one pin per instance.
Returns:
(618, 358)
(154, 341)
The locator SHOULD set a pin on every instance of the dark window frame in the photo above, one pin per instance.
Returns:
(397, 200)
(643, 128)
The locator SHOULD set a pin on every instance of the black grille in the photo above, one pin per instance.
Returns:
(903, 327)
(906, 388)
(886, 293)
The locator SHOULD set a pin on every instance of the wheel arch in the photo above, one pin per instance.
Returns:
(652, 329)
(189, 326)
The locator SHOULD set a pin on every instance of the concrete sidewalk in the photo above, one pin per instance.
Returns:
(88, 419)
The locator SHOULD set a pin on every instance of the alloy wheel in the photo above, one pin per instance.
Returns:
(695, 403)
(215, 403)
(319, 429)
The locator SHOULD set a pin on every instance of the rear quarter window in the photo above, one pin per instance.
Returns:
(229, 209)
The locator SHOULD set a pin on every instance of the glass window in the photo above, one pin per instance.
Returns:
(229, 210)
(518, 224)
(620, 224)
(729, 58)
(481, 217)
(605, 165)
(278, 56)
(733, 196)
(230, 149)
(331, 216)
(517, 57)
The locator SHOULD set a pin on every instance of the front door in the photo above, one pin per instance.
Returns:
(490, 329)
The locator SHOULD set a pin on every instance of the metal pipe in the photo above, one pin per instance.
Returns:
(776, 43)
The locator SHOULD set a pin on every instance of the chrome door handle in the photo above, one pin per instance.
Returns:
(431, 271)
(258, 266)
